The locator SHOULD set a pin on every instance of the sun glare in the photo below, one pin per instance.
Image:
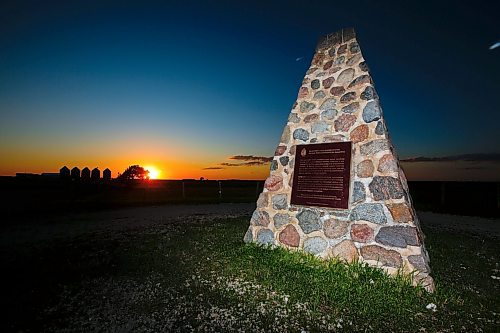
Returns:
(153, 172)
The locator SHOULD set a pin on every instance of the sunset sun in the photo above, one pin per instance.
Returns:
(153, 172)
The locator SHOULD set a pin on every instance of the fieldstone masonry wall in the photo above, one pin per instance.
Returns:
(337, 102)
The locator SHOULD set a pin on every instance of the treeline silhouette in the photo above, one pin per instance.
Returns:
(32, 196)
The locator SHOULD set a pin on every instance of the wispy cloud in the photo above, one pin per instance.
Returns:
(494, 46)
(213, 168)
(299, 58)
(464, 157)
(245, 161)
(251, 158)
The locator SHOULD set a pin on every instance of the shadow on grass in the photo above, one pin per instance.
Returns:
(197, 274)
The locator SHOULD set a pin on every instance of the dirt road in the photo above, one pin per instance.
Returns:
(72, 225)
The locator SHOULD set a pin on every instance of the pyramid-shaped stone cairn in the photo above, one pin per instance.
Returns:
(336, 188)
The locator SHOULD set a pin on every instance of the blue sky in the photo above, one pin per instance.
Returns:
(205, 81)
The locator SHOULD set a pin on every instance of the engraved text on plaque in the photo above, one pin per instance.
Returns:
(322, 174)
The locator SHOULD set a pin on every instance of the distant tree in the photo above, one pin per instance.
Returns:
(134, 172)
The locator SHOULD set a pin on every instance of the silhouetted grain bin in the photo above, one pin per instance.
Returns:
(64, 172)
(106, 174)
(96, 174)
(75, 173)
(86, 174)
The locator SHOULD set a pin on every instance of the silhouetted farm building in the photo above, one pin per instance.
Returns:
(75, 173)
(64, 172)
(106, 174)
(96, 174)
(86, 174)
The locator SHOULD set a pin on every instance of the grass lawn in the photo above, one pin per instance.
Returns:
(197, 274)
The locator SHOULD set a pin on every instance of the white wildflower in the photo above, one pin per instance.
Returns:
(431, 306)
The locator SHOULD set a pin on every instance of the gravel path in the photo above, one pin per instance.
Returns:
(477, 225)
(73, 225)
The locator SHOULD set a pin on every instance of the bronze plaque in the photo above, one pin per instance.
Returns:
(322, 174)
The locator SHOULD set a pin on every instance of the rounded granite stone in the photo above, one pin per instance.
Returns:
(337, 91)
(344, 122)
(260, 218)
(353, 60)
(354, 47)
(303, 92)
(360, 80)
(320, 94)
(371, 112)
(385, 187)
(397, 236)
(358, 192)
(274, 165)
(284, 160)
(329, 114)
(248, 235)
(289, 236)
(365, 169)
(328, 64)
(380, 128)
(310, 118)
(327, 83)
(280, 201)
(309, 220)
(301, 134)
(345, 251)
(293, 118)
(340, 60)
(315, 245)
(334, 138)
(262, 201)
(318, 59)
(315, 84)
(387, 163)
(347, 97)
(319, 127)
(334, 70)
(328, 104)
(400, 212)
(419, 263)
(360, 133)
(351, 108)
(346, 76)
(273, 183)
(363, 66)
(306, 106)
(370, 212)
(281, 219)
(374, 146)
(342, 49)
(334, 228)
(368, 94)
(279, 150)
(265, 237)
(386, 257)
(361, 233)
